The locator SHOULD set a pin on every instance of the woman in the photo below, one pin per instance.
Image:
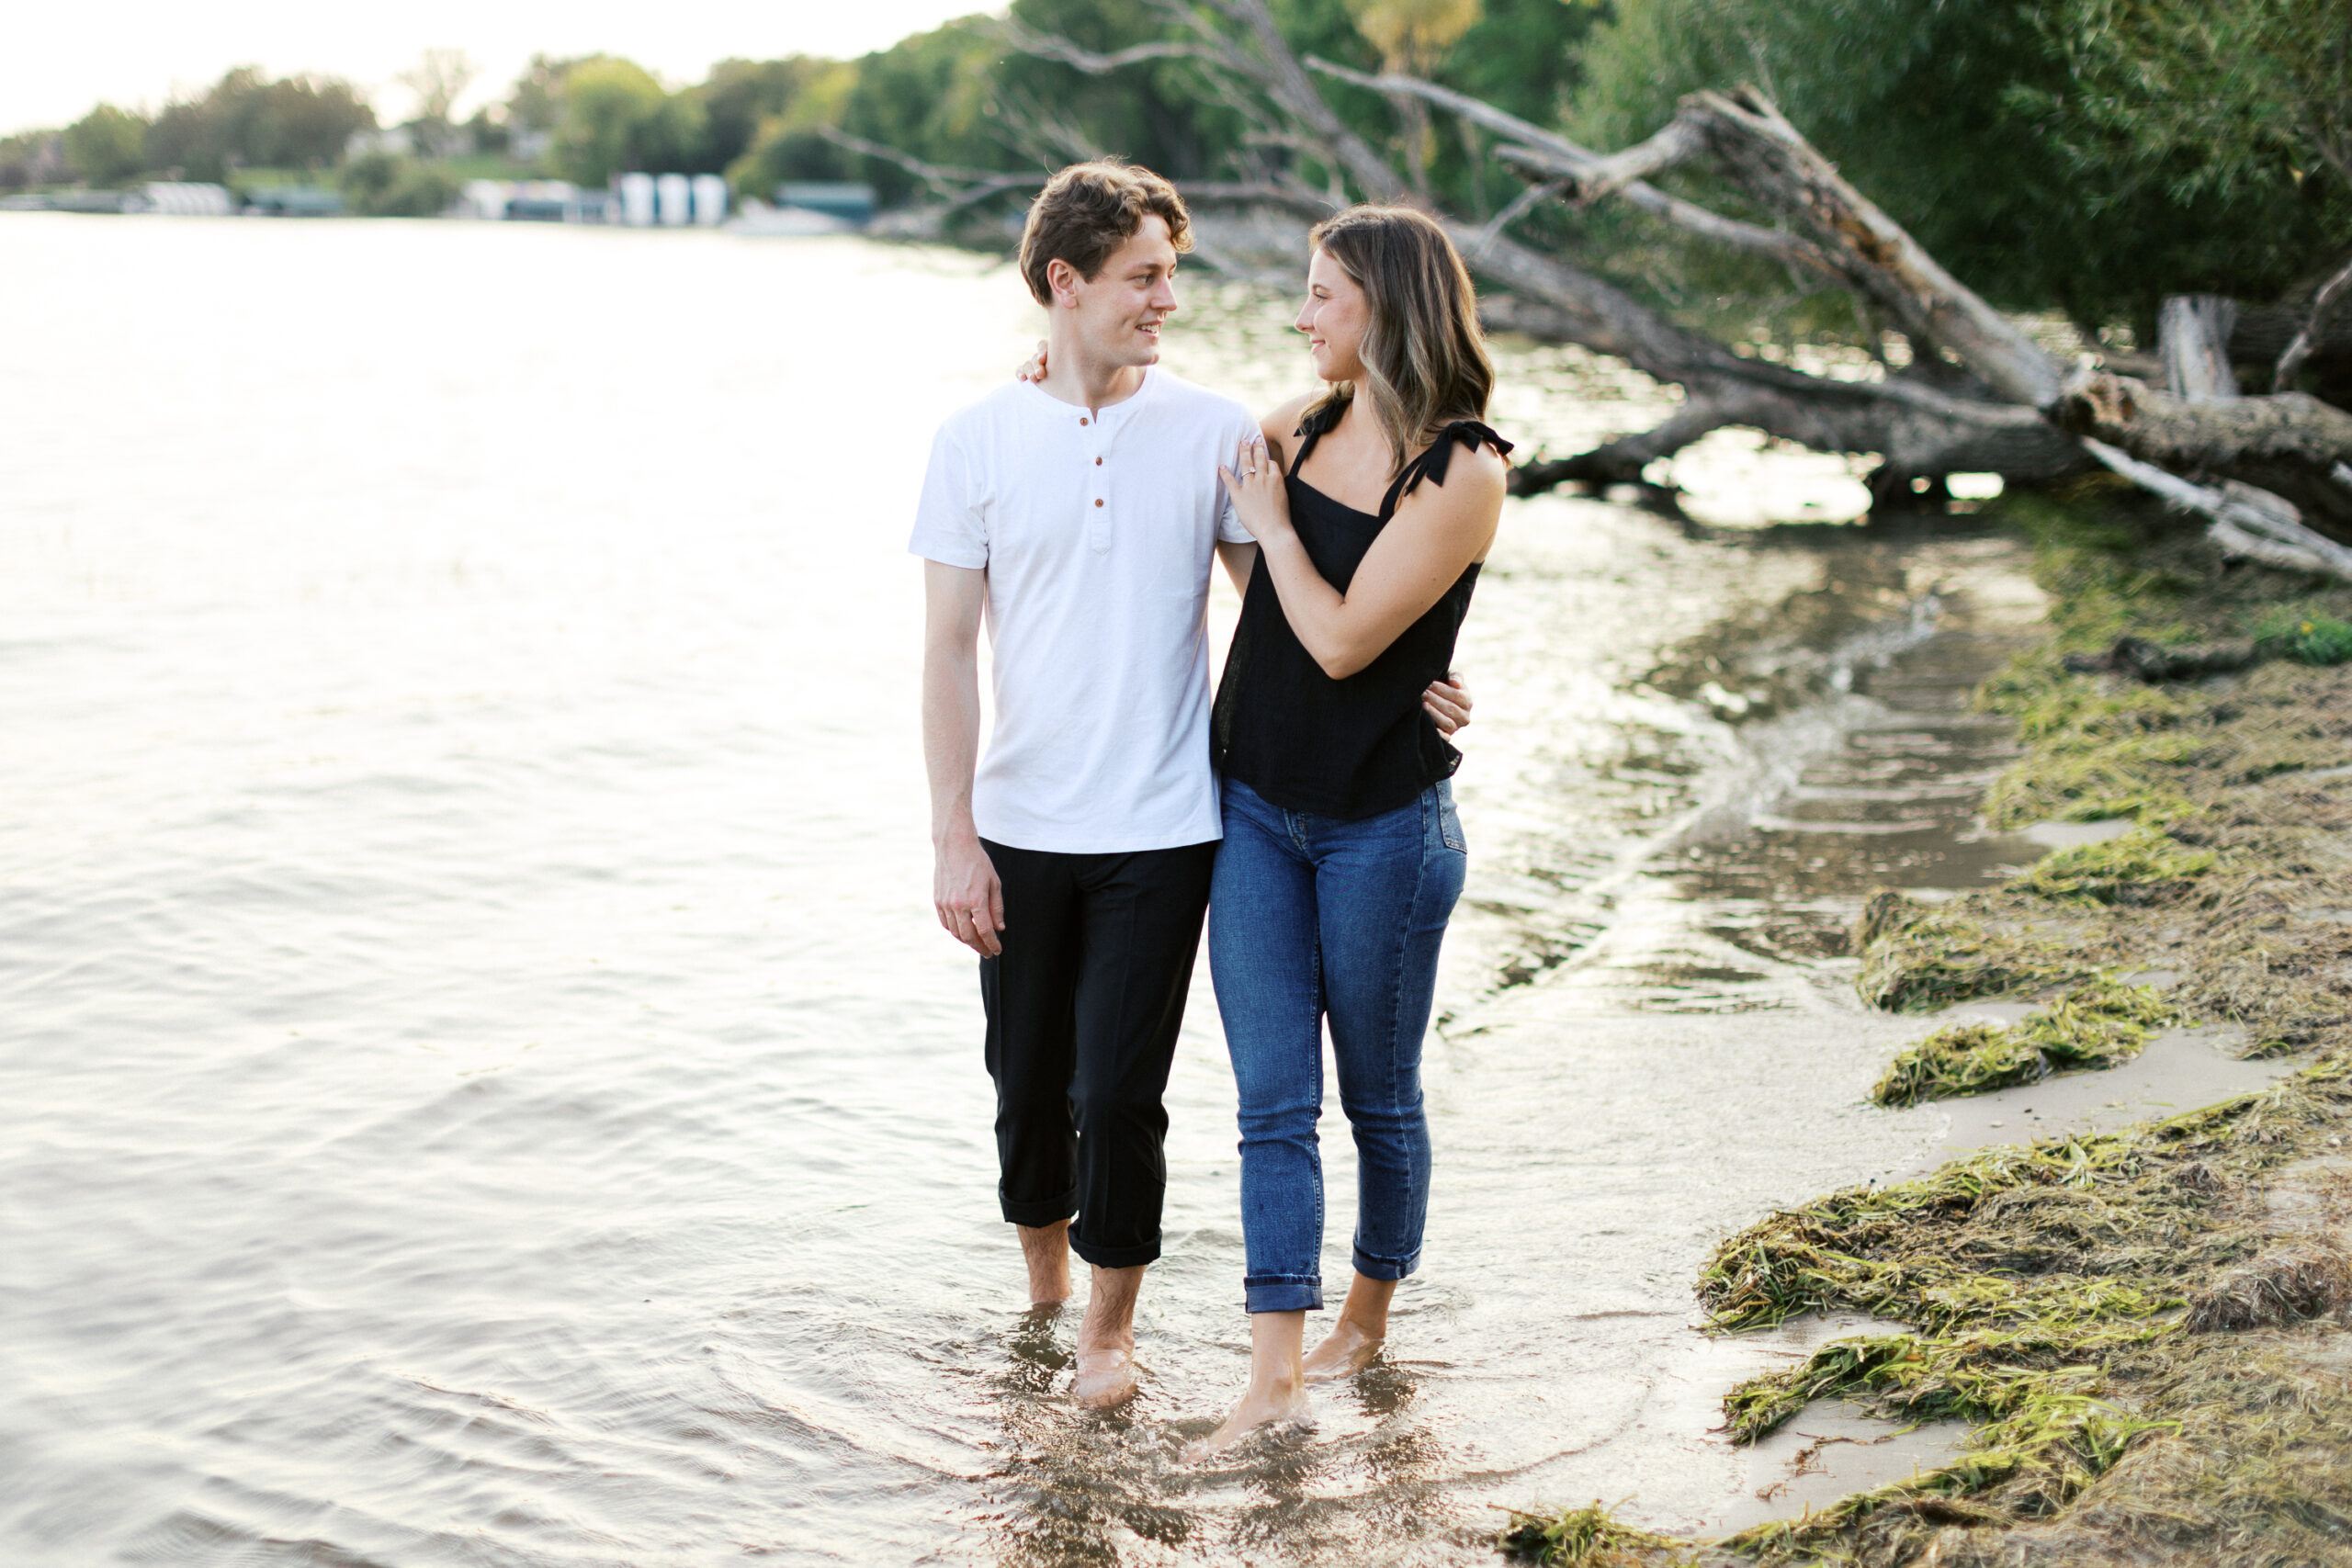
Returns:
(1342, 856)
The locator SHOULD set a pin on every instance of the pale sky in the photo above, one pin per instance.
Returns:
(61, 59)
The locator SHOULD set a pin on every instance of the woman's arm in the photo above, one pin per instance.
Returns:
(1435, 534)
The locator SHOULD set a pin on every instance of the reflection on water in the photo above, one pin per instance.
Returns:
(480, 1082)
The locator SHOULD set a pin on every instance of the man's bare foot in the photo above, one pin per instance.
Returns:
(1106, 1378)
(1345, 1351)
(1106, 1340)
(1046, 1249)
(1276, 1402)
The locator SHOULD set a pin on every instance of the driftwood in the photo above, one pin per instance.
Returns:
(2193, 342)
(2306, 336)
(2290, 454)
(2288, 444)
(2152, 661)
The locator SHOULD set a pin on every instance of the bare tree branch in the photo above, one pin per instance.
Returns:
(946, 178)
(2246, 522)
(1754, 238)
(1548, 155)
(1676, 144)
(1299, 199)
(1051, 46)
(2283, 378)
(1879, 260)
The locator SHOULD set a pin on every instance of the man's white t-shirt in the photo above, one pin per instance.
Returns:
(1098, 532)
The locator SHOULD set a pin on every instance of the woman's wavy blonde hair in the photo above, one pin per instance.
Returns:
(1424, 358)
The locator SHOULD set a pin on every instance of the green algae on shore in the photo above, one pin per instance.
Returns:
(2151, 1330)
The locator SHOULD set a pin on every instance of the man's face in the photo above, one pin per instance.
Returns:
(1119, 311)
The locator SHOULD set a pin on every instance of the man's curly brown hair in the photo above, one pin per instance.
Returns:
(1088, 210)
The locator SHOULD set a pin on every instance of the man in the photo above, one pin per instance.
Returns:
(1078, 515)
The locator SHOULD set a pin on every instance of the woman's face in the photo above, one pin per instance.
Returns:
(1334, 318)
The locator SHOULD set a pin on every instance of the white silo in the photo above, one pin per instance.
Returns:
(676, 195)
(710, 199)
(637, 201)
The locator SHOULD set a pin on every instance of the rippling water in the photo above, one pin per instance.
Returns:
(478, 1079)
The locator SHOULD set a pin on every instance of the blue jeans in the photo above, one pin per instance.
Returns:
(1311, 917)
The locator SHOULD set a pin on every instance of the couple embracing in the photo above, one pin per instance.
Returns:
(1305, 809)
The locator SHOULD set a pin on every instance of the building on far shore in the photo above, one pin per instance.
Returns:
(293, 201)
(172, 199)
(533, 201)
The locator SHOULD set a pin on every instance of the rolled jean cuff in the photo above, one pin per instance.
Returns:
(1038, 1213)
(1373, 1268)
(1133, 1256)
(1282, 1292)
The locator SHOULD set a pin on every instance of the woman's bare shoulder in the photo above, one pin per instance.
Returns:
(1282, 422)
(1488, 470)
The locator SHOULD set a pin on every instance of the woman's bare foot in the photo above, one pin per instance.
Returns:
(1275, 1402)
(1277, 1391)
(1359, 1334)
(1345, 1351)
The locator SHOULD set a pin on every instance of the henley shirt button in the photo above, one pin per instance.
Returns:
(1098, 501)
(1081, 422)
(1098, 462)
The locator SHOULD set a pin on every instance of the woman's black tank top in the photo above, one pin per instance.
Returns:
(1355, 747)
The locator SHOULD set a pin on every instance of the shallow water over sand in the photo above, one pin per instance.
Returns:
(478, 1079)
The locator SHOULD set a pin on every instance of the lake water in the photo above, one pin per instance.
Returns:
(480, 1080)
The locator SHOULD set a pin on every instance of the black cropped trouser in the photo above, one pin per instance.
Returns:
(1083, 1005)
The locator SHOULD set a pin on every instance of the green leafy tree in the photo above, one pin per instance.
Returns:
(106, 145)
(2231, 99)
(787, 142)
(31, 158)
(931, 95)
(1943, 112)
(380, 185)
(741, 96)
(607, 113)
(247, 120)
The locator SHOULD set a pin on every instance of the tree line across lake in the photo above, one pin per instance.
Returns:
(2084, 155)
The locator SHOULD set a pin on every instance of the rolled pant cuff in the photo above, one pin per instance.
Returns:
(1040, 1213)
(1373, 1268)
(1133, 1256)
(1282, 1292)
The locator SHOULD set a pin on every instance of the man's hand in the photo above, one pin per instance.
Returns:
(965, 893)
(1448, 702)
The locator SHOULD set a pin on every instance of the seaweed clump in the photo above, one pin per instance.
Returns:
(1917, 957)
(1589, 1537)
(2052, 1292)
(2098, 1025)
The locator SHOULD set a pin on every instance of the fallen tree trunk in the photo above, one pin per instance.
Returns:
(1920, 433)
(2014, 413)
(1923, 432)
(2293, 446)
(2288, 444)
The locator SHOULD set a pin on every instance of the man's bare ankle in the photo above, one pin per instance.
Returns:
(1044, 1249)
